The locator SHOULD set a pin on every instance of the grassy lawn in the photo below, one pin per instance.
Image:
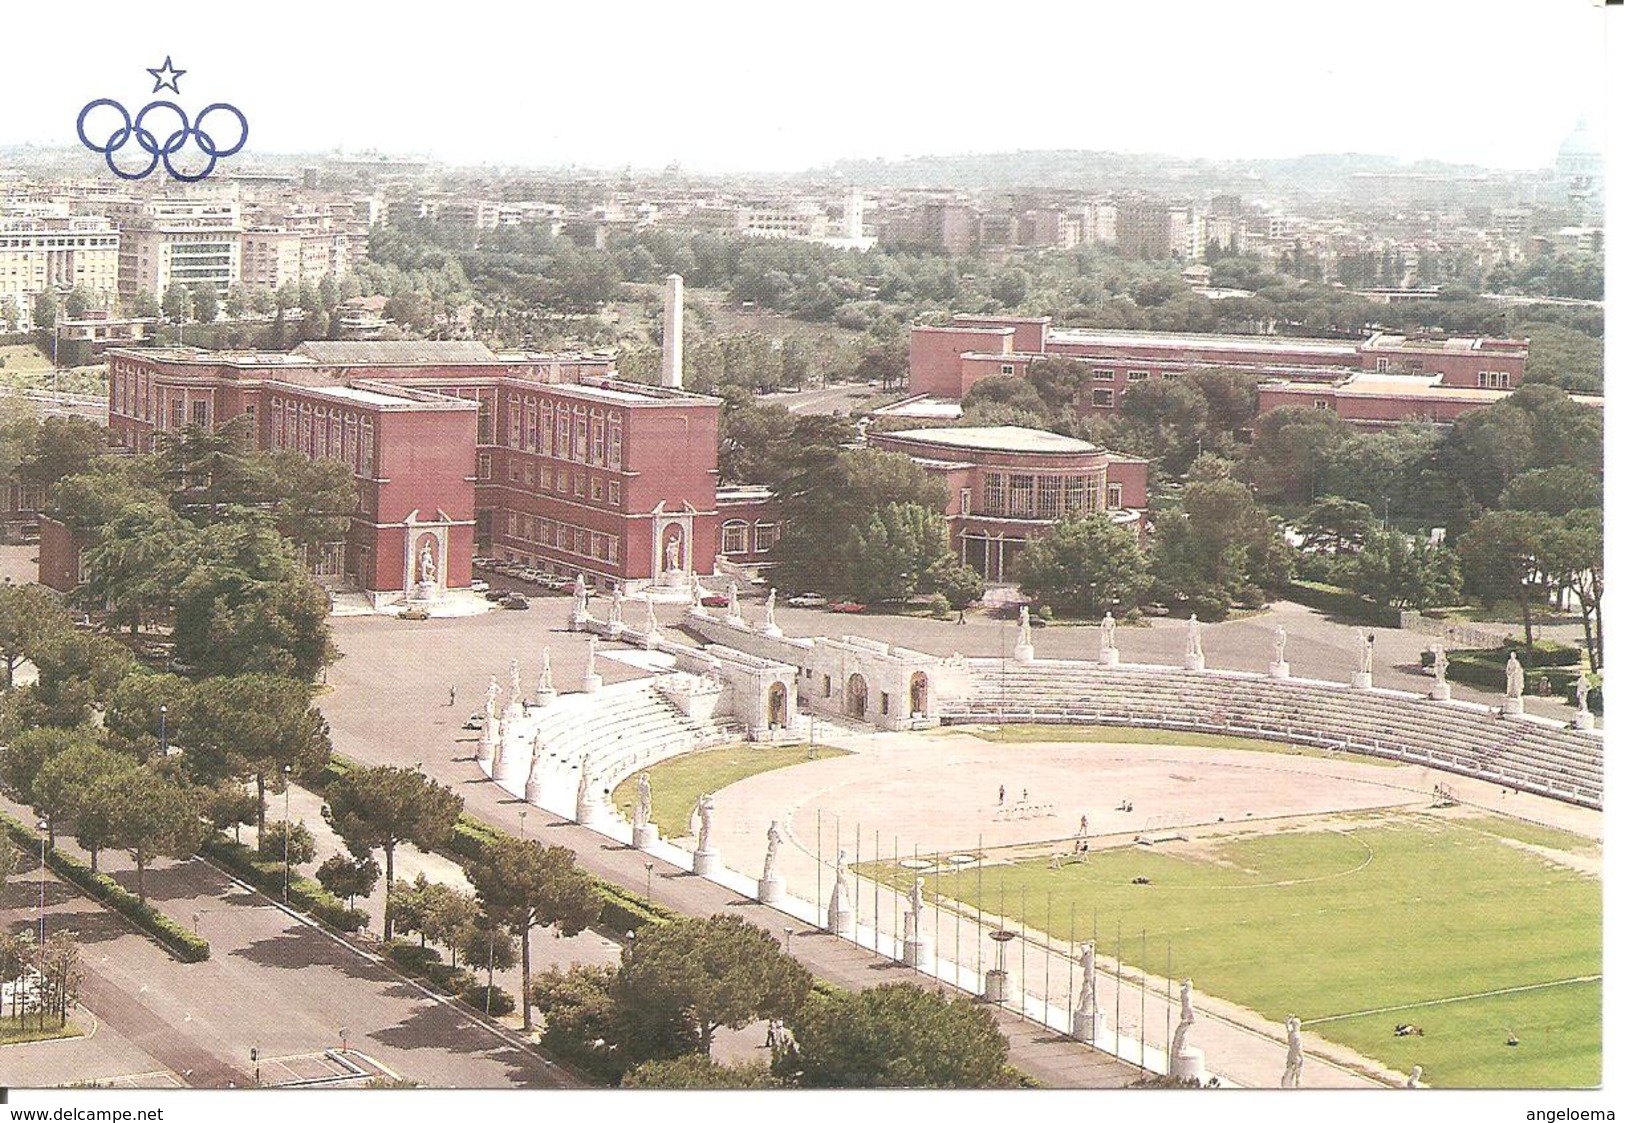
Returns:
(23, 357)
(26, 367)
(1118, 735)
(16, 1030)
(1389, 912)
(677, 784)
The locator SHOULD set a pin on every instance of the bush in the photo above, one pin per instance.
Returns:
(501, 1002)
(939, 607)
(1208, 609)
(1250, 597)
(411, 958)
(174, 937)
(301, 843)
(426, 964)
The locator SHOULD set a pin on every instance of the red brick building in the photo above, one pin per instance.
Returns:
(549, 459)
(945, 362)
(1007, 485)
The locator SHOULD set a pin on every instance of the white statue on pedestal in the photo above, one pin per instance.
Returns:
(770, 863)
(1187, 1018)
(1294, 1053)
(674, 555)
(544, 684)
(839, 914)
(695, 601)
(492, 691)
(1280, 644)
(1193, 637)
(772, 598)
(1024, 631)
(1415, 1078)
(1368, 647)
(578, 608)
(1108, 633)
(513, 682)
(1514, 676)
(616, 605)
(1441, 664)
(426, 567)
(1582, 692)
(645, 807)
(583, 792)
(708, 807)
(733, 600)
(651, 626)
(1086, 996)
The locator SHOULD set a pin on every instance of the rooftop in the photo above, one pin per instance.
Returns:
(1087, 337)
(995, 438)
(410, 352)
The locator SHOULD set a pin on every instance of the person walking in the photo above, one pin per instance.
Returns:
(1001, 795)
(453, 701)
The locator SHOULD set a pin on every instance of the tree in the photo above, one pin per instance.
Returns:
(76, 303)
(262, 727)
(144, 709)
(897, 1035)
(301, 844)
(59, 788)
(1501, 558)
(960, 585)
(348, 877)
(484, 941)
(45, 309)
(1554, 491)
(134, 564)
(61, 447)
(205, 302)
(374, 808)
(1291, 447)
(1337, 524)
(8, 865)
(60, 976)
(147, 815)
(694, 1071)
(1163, 420)
(1405, 571)
(1084, 566)
(521, 884)
(890, 557)
(177, 304)
(1575, 556)
(29, 618)
(228, 805)
(1218, 546)
(449, 916)
(711, 973)
(581, 1020)
(144, 306)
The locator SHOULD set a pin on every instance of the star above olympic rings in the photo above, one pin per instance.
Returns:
(165, 76)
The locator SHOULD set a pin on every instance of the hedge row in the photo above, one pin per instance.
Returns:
(265, 874)
(174, 937)
(1342, 602)
(425, 963)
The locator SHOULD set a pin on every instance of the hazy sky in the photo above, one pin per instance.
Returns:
(736, 86)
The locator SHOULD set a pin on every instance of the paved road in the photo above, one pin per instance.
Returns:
(273, 982)
(839, 399)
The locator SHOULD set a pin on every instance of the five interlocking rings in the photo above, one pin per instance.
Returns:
(147, 141)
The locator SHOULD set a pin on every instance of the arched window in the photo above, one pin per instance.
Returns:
(736, 537)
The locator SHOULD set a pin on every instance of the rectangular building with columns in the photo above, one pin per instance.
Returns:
(545, 458)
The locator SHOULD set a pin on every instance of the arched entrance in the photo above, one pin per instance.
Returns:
(857, 697)
(776, 705)
(917, 694)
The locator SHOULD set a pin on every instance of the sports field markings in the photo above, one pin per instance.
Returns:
(1454, 998)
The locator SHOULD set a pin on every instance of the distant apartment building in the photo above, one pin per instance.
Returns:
(296, 247)
(1145, 229)
(181, 240)
(56, 252)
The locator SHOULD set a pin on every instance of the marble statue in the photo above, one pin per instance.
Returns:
(651, 625)
(513, 681)
(772, 599)
(916, 901)
(492, 691)
(533, 777)
(645, 807)
(1582, 691)
(733, 600)
(1024, 632)
(708, 808)
(1294, 1053)
(616, 604)
(1441, 663)
(579, 607)
(1415, 1078)
(1368, 646)
(583, 789)
(1514, 676)
(1280, 644)
(1193, 636)
(695, 603)
(1086, 995)
(674, 555)
(592, 656)
(426, 568)
(545, 684)
(1108, 634)
(1187, 1018)
(771, 862)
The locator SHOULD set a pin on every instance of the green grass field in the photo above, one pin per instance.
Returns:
(677, 784)
(1383, 917)
(26, 367)
(16, 1030)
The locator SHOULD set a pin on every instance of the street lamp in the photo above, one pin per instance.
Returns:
(787, 931)
(522, 824)
(44, 829)
(649, 882)
(287, 826)
(163, 730)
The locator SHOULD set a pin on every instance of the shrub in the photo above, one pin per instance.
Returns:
(501, 1002)
(265, 874)
(939, 607)
(301, 843)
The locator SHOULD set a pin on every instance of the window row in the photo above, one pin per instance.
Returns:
(560, 536)
(544, 477)
(566, 432)
(736, 537)
(318, 431)
(1023, 495)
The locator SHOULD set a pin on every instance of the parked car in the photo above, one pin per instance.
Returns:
(415, 614)
(808, 600)
(479, 586)
(496, 594)
(515, 600)
(551, 582)
(475, 721)
(715, 600)
(847, 606)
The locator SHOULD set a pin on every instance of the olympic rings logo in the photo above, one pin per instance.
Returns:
(181, 129)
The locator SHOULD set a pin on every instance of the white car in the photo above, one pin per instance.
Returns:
(478, 586)
(808, 600)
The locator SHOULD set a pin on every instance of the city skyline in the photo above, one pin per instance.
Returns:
(739, 90)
